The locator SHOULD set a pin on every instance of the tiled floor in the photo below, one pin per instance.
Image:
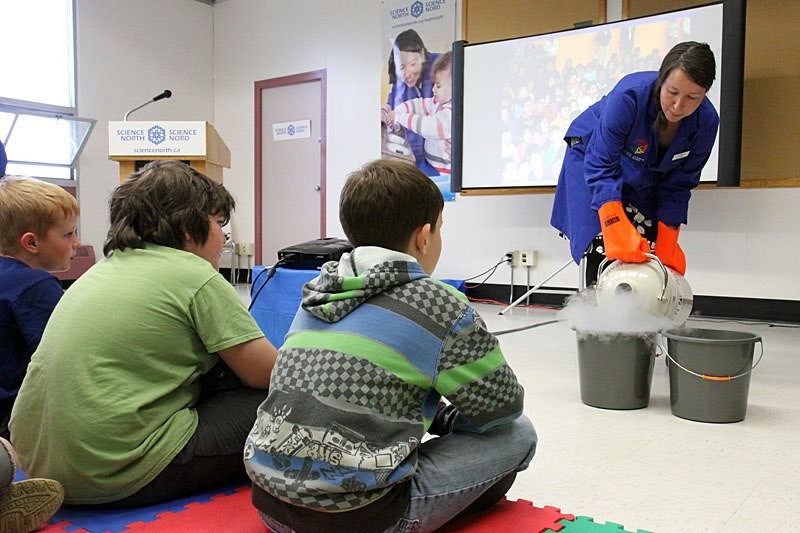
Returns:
(647, 468)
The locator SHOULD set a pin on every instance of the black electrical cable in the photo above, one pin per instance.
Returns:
(270, 272)
(478, 285)
(492, 268)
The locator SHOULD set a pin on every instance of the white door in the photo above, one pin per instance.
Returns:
(290, 169)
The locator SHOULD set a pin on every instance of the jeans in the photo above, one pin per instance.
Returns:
(455, 470)
(8, 467)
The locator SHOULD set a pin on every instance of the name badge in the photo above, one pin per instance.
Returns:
(681, 155)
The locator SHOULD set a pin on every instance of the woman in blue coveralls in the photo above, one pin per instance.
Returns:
(633, 159)
(409, 74)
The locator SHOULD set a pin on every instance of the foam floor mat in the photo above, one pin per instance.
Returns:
(229, 510)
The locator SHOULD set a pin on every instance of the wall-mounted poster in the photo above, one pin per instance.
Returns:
(417, 85)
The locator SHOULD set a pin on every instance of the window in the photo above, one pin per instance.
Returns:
(39, 125)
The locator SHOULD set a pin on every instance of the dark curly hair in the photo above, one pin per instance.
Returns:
(163, 203)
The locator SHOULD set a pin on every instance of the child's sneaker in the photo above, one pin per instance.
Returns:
(25, 505)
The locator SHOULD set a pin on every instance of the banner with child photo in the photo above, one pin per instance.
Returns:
(416, 85)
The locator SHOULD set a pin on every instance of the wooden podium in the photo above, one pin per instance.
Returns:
(135, 143)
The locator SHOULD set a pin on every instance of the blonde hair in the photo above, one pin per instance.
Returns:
(29, 204)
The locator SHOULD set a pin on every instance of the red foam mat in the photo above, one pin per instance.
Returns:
(234, 513)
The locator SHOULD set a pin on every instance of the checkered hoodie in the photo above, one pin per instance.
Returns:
(373, 348)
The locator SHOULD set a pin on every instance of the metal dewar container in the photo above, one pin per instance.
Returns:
(658, 289)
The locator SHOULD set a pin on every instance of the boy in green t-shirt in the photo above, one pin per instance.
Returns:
(128, 418)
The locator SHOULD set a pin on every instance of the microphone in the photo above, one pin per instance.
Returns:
(166, 94)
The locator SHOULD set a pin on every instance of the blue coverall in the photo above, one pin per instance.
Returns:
(612, 154)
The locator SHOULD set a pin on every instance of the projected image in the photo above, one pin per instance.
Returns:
(521, 95)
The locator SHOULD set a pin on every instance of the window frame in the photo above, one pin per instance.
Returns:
(16, 106)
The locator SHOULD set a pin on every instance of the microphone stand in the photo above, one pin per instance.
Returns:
(166, 94)
(136, 109)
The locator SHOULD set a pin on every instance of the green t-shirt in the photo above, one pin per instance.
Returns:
(108, 398)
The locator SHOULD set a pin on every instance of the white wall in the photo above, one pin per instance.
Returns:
(738, 242)
(128, 52)
(256, 40)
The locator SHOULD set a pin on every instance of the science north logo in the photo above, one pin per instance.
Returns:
(639, 146)
(156, 134)
(290, 129)
(417, 9)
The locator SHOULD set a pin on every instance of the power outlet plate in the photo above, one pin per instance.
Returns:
(526, 258)
(245, 248)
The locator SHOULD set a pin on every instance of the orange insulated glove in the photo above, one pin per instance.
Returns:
(668, 249)
(620, 239)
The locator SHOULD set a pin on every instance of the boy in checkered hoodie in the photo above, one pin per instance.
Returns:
(379, 355)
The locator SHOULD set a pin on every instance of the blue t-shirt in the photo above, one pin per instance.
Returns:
(27, 298)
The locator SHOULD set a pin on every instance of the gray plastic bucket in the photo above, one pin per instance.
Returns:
(709, 373)
(615, 370)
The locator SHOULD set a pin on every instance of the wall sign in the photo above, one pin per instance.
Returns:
(285, 131)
